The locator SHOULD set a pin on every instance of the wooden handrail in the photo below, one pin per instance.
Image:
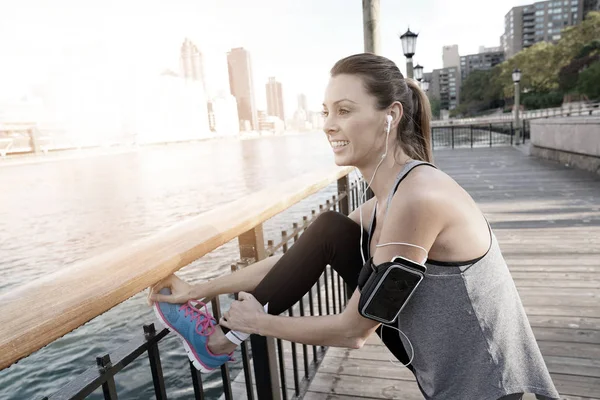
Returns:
(39, 312)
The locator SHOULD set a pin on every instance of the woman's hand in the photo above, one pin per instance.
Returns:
(181, 291)
(244, 314)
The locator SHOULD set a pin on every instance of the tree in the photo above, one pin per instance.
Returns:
(575, 38)
(541, 63)
(539, 73)
(480, 91)
(588, 82)
(435, 106)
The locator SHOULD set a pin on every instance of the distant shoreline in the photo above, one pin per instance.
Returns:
(16, 159)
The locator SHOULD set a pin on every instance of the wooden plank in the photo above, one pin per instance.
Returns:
(76, 294)
(583, 336)
(565, 311)
(328, 396)
(581, 351)
(365, 368)
(556, 283)
(577, 385)
(527, 275)
(360, 387)
(564, 322)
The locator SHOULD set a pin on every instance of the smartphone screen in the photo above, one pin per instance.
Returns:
(392, 293)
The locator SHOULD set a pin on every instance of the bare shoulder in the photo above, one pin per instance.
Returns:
(431, 193)
(432, 200)
(427, 184)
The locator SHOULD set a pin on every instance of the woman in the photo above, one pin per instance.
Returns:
(465, 325)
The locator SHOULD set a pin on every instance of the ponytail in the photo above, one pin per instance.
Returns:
(421, 120)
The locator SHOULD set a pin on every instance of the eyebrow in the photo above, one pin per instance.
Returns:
(340, 100)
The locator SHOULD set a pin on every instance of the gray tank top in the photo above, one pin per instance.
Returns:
(471, 337)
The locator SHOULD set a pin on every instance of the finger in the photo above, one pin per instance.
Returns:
(224, 323)
(163, 298)
(159, 286)
(226, 315)
(244, 296)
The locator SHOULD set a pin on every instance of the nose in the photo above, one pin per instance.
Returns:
(329, 126)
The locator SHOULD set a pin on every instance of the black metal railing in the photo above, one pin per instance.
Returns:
(478, 135)
(267, 378)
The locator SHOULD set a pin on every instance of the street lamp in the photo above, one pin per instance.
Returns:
(409, 43)
(516, 76)
(425, 85)
(418, 70)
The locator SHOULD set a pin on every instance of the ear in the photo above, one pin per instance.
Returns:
(396, 111)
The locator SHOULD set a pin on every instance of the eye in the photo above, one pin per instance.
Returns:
(343, 111)
(324, 114)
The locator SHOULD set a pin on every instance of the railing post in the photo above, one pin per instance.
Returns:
(252, 247)
(490, 135)
(108, 388)
(452, 130)
(471, 127)
(512, 133)
(343, 186)
(155, 364)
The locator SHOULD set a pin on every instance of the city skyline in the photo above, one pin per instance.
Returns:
(275, 106)
(295, 42)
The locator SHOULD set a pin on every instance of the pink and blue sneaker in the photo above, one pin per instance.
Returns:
(193, 326)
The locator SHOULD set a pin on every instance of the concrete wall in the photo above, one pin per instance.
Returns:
(570, 140)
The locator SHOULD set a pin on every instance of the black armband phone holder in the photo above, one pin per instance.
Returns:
(386, 288)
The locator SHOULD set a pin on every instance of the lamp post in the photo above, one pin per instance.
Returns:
(516, 76)
(418, 72)
(425, 85)
(409, 43)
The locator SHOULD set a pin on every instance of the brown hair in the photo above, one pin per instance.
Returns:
(383, 79)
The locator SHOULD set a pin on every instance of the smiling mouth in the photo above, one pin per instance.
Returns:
(339, 143)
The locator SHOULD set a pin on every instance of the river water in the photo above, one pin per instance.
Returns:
(55, 213)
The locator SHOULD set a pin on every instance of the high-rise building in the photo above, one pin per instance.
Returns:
(275, 99)
(496, 49)
(479, 61)
(242, 86)
(192, 63)
(542, 21)
(450, 56)
(302, 103)
(445, 85)
(223, 115)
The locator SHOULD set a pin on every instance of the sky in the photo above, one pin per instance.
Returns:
(296, 41)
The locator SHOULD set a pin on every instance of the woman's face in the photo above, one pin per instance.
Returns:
(354, 127)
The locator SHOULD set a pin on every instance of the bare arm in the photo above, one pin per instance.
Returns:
(421, 223)
(243, 280)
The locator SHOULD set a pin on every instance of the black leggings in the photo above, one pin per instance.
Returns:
(332, 239)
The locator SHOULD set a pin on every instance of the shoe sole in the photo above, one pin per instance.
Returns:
(193, 359)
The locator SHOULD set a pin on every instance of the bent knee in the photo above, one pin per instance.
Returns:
(331, 222)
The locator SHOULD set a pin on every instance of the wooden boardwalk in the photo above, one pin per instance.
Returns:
(547, 219)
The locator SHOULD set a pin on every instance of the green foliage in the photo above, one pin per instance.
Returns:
(589, 49)
(589, 81)
(539, 72)
(569, 74)
(480, 91)
(435, 106)
(533, 101)
(548, 72)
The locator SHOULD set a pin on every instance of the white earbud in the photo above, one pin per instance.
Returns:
(387, 134)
